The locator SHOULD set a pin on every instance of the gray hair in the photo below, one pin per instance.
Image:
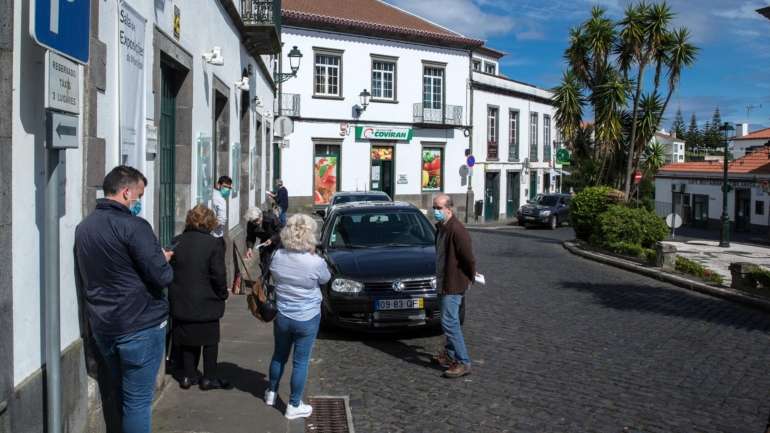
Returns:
(253, 214)
(299, 235)
(448, 203)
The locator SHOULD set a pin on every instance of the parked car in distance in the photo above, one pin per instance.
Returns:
(349, 197)
(548, 209)
(382, 257)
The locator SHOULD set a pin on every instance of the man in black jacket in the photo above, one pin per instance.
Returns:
(123, 271)
(281, 197)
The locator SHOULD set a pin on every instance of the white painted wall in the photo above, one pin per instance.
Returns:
(356, 74)
(27, 152)
(28, 189)
(505, 103)
(297, 159)
(739, 147)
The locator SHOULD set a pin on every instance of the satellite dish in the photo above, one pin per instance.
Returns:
(674, 220)
(283, 126)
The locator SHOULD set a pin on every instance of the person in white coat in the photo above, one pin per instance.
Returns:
(219, 204)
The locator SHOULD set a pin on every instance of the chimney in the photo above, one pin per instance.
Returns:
(673, 133)
(741, 130)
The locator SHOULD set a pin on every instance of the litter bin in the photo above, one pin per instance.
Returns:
(478, 209)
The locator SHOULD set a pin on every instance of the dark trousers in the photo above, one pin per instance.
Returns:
(191, 355)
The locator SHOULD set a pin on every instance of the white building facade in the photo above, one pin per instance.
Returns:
(674, 146)
(514, 141)
(147, 98)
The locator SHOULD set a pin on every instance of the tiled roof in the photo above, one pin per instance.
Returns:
(762, 134)
(757, 162)
(372, 16)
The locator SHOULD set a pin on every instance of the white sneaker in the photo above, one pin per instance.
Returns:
(301, 411)
(269, 397)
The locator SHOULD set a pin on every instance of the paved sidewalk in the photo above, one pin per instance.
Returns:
(244, 354)
(717, 259)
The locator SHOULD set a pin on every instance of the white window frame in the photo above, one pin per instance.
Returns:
(490, 64)
(327, 68)
(383, 75)
(533, 142)
(435, 100)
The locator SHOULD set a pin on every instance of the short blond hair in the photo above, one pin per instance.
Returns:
(299, 234)
(253, 214)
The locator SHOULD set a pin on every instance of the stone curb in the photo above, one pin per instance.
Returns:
(725, 293)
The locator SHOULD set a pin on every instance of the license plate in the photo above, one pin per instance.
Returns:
(399, 304)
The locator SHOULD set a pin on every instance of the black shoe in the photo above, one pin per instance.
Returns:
(207, 384)
(187, 382)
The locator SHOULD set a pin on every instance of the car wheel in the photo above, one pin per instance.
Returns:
(553, 223)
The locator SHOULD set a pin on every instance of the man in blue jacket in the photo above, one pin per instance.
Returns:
(123, 271)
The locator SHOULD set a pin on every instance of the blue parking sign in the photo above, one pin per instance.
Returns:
(63, 26)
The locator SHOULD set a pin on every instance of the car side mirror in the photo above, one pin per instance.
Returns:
(321, 213)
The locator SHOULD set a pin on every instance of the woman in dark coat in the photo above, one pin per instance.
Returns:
(197, 296)
(265, 228)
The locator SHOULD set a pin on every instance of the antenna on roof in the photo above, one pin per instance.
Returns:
(748, 111)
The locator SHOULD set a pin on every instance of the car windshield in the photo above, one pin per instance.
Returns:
(358, 197)
(380, 228)
(548, 200)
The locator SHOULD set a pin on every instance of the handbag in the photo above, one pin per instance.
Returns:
(261, 300)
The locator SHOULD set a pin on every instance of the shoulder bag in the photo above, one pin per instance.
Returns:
(261, 300)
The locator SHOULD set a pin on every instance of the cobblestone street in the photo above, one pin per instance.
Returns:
(561, 344)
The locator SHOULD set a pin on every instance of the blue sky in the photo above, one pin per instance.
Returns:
(732, 70)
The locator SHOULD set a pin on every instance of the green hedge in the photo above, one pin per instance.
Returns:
(632, 226)
(647, 255)
(586, 207)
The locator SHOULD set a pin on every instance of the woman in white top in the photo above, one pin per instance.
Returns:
(298, 273)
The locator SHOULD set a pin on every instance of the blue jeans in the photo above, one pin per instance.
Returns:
(282, 218)
(290, 333)
(450, 323)
(133, 361)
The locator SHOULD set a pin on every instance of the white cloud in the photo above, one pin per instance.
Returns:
(463, 16)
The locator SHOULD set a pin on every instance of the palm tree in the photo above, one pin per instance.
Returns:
(654, 158)
(569, 98)
(680, 54)
(644, 34)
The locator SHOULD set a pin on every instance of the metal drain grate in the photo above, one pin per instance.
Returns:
(330, 415)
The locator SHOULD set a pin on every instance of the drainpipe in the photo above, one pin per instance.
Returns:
(469, 205)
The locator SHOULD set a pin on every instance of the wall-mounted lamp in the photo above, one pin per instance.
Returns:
(364, 96)
(295, 58)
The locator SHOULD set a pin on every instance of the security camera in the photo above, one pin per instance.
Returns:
(214, 57)
(243, 84)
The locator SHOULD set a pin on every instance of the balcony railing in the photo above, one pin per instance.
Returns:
(449, 115)
(262, 23)
(289, 105)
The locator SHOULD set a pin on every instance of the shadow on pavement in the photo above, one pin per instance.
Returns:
(394, 343)
(250, 381)
(556, 237)
(673, 302)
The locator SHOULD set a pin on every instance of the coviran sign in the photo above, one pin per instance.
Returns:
(374, 133)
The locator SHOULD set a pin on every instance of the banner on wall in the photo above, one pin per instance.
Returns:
(324, 179)
(132, 93)
(205, 169)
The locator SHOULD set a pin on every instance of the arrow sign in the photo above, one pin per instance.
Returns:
(66, 130)
(62, 130)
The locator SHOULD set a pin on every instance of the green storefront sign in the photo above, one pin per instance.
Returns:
(374, 133)
(563, 156)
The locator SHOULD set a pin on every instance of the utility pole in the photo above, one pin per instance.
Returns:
(749, 108)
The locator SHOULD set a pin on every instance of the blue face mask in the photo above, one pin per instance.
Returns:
(438, 215)
(225, 192)
(136, 208)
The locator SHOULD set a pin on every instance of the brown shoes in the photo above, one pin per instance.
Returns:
(457, 369)
(443, 359)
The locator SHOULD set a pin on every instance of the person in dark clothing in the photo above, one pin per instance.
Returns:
(122, 271)
(197, 294)
(455, 272)
(265, 228)
(281, 197)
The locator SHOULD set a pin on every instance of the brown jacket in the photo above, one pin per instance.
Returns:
(460, 266)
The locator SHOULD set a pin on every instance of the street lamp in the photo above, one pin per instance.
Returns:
(295, 58)
(724, 237)
(365, 95)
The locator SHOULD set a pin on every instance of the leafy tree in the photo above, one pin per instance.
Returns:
(608, 68)
(693, 136)
(678, 127)
(654, 158)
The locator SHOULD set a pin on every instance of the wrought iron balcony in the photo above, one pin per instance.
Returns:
(289, 105)
(448, 115)
(262, 25)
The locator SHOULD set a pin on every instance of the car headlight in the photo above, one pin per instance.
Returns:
(433, 283)
(342, 285)
(545, 212)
